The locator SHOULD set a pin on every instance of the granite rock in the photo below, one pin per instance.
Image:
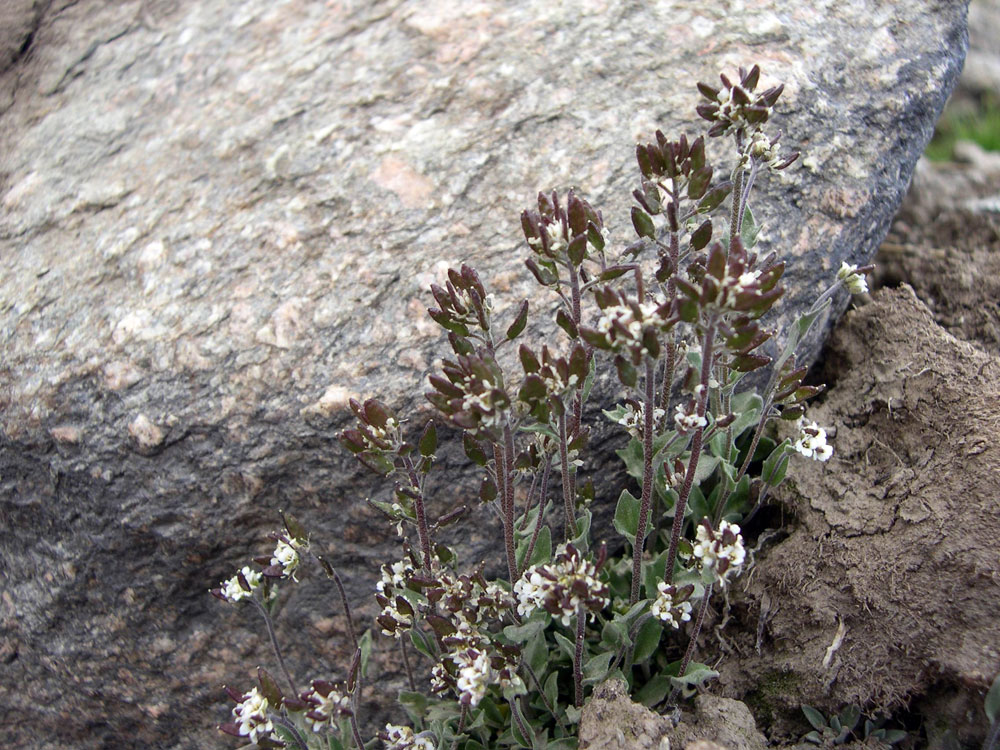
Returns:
(219, 222)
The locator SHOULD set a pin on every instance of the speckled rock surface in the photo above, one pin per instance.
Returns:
(218, 224)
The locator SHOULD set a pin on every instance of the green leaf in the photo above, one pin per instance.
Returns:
(648, 640)
(536, 652)
(269, 688)
(551, 689)
(542, 551)
(428, 441)
(582, 539)
(565, 645)
(515, 726)
(643, 223)
(775, 465)
(749, 229)
(892, 736)
(814, 717)
(695, 676)
(796, 333)
(747, 408)
(333, 743)
(614, 634)
(632, 455)
(654, 691)
(627, 515)
(588, 383)
(992, 704)
(706, 465)
(538, 621)
(421, 644)
(596, 668)
(850, 717)
(697, 505)
(519, 322)
(415, 705)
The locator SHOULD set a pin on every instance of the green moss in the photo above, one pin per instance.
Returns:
(977, 121)
(770, 698)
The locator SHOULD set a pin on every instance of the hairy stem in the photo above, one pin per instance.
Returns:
(541, 514)
(507, 506)
(347, 609)
(423, 532)
(569, 507)
(737, 214)
(639, 545)
(581, 620)
(406, 665)
(269, 624)
(696, 443)
(290, 728)
(689, 653)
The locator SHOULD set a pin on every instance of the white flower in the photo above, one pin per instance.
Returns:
(634, 419)
(687, 421)
(667, 609)
(854, 281)
(233, 590)
(394, 576)
(287, 556)
(402, 738)
(721, 550)
(251, 715)
(811, 442)
(474, 676)
(560, 587)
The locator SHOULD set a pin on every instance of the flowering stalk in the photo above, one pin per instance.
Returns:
(269, 624)
(647, 482)
(696, 442)
(569, 508)
(581, 619)
(689, 652)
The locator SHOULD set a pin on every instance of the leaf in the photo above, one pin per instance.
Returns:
(706, 465)
(796, 333)
(747, 407)
(643, 223)
(775, 465)
(515, 726)
(627, 515)
(992, 704)
(535, 624)
(565, 645)
(415, 705)
(814, 717)
(695, 676)
(749, 230)
(428, 441)
(582, 539)
(519, 322)
(648, 640)
(420, 643)
(654, 691)
(365, 644)
(614, 635)
(542, 551)
(551, 689)
(596, 668)
(850, 717)
(536, 653)
(269, 688)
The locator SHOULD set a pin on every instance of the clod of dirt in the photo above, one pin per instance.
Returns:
(611, 720)
(889, 584)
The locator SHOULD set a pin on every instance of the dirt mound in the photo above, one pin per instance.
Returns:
(886, 590)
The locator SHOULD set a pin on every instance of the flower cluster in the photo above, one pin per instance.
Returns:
(721, 550)
(736, 106)
(811, 442)
(853, 278)
(560, 236)
(671, 604)
(402, 738)
(562, 586)
(764, 150)
(472, 663)
(326, 703)
(241, 586)
(251, 717)
(634, 417)
(686, 417)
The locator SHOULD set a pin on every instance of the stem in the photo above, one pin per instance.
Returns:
(507, 506)
(639, 545)
(541, 513)
(418, 506)
(461, 726)
(694, 637)
(754, 169)
(541, 694)
(290, 727)
(581, 619)
(274, 644)
(520, 724)
(569, 506)
(696, 442)
(347, 609)
(356, 671)
(406, 665)
(737, 215)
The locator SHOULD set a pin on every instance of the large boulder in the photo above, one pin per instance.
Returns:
(219, 221)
